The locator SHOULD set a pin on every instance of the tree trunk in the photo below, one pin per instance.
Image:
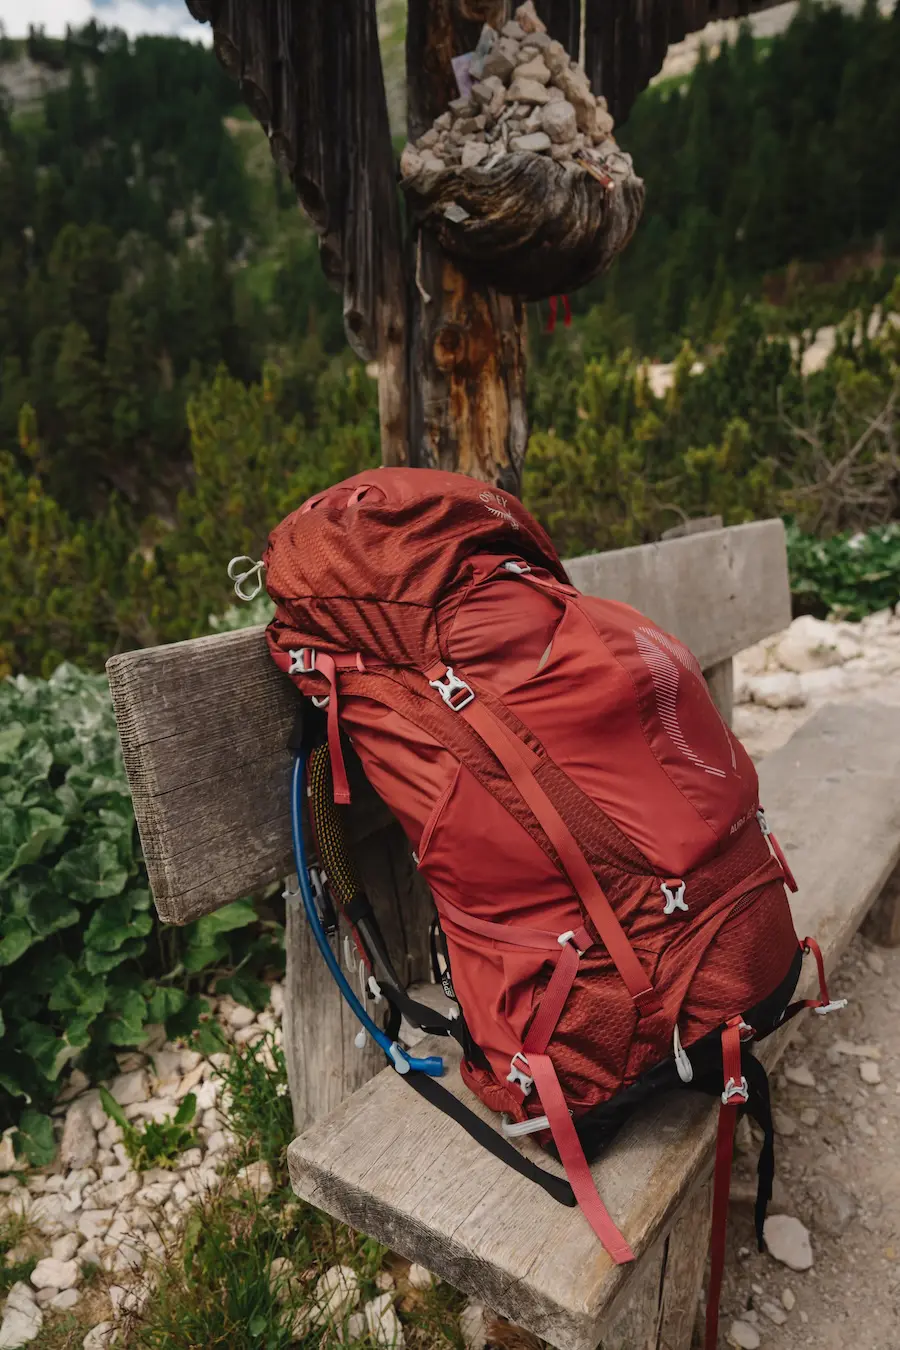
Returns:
(467, 343)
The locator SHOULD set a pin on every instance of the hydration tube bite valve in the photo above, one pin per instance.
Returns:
(403, 1062)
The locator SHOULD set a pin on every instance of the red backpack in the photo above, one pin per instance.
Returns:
(611, 906)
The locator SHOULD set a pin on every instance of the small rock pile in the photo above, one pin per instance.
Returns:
(527, 97)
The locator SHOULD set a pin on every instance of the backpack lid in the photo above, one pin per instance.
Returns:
(362, 567)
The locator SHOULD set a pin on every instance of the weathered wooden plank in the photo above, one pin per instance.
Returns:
(392, 1167)
(204, 723)
(718, 591)
(720, 681)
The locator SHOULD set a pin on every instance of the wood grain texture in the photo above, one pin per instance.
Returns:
(204, 723)
(324, 1064)
(720, 680)
(395, 1169)
(718, 591)
(533, 227)
(311, 74)
(468, 341)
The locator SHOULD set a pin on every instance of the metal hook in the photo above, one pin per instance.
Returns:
(255, 570)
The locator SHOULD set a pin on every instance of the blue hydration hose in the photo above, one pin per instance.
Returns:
(402, 1061)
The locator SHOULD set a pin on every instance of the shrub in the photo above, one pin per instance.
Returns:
(84, 966)
(847, 576)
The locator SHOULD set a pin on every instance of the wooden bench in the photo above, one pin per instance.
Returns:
(203, 727)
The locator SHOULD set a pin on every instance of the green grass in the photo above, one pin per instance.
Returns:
(159, 1143)
(215, 1290)
(12, 1233)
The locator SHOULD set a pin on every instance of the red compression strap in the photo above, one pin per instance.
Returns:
(519, 762)
(779, 854)
(567, 312)
(824, 1000)
(556, 993)
(514, 934)
(325, 664)
(551, 322)
(571, 1155)
(728, 1113)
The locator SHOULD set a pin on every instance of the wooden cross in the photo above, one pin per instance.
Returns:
(450, 346)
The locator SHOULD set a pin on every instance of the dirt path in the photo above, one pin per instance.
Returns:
(838, 1127)
(839, 1169)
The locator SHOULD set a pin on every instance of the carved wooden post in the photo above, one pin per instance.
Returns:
(467, 342)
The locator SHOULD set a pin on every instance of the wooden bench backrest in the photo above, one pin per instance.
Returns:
(204, 723)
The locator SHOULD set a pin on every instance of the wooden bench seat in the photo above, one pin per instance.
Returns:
(389, 1164)
(203, 727)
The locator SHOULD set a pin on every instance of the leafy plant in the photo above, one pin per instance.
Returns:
(847, 576)
(84, 964)
(258, 1104)
(160, 1142)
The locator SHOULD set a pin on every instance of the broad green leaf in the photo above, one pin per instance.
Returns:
(13, 1086)
(114, 1110)
(236, 915)
(78, 991)
(113, 923)
(187, 1019)
(25, 834)
(201, 955)
(126, 1027)
(17, 938)
(34, 1138)
(165, 1002)
(48, 913)
(34, 766)
(187, 1110)
(91, 872)
(257, 1324)
(245, 989)
(99, 963)
(47, 1051)
(208, 1038)
(11, 737)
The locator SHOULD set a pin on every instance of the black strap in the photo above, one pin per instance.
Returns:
(759, 1107)
(488, 1138)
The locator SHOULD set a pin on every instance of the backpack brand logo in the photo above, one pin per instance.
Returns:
(499, 506)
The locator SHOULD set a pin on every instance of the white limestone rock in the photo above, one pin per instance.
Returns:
(787, 1241)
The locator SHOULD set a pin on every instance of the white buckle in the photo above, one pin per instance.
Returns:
(516, 1128)
(565, 938)
(449, 686)
(682, 1063)
(763, 823)
(674, 899)
(735, 1092)
(834, 1006)
(519, 1076)
(521, 568)
(303, 661)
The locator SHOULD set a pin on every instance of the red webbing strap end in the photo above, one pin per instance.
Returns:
(733, 1097)
(571, 1155)
(789, 878)
(325, 664)
(557, 992)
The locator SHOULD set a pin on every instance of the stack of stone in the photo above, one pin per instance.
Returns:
(527, 97)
